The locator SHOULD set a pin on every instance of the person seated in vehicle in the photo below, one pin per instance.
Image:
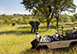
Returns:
(52, 38)
(74, 31)
(37, 37)
(56, 36)
(35, 41)
(46, 38)
(68, 35)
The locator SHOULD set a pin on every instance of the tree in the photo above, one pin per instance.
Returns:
(37, 14)
(75, 15)
(65, 18)
(62, 5)
(49, 7)
(44, 6)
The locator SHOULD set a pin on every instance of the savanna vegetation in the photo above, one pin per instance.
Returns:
(16, 39)
(15, 36)
(25, 19)
(49, 8)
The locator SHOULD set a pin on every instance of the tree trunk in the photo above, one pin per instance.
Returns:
(57, 21)
(48, 22)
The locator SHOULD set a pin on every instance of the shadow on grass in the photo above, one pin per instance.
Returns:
(29, 27)
(53, 27)
(30, 51)
(34, 51)
(16, 32)
(27, 30)
(48, 51)
(41, 27)
(25, 27)
(50, 27)
(20, 31)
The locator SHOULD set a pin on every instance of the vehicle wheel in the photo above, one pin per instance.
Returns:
(75, 47)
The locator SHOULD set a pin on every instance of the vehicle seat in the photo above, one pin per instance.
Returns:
(68, 35)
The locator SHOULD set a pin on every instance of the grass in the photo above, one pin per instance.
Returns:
(16, 40)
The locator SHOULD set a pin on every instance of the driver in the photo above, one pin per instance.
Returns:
(37, 37)
(35, 41)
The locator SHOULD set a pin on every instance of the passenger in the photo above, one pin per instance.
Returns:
(49, 38)
(46, 38)
(74, 30)
(74, 33)
(56, 36)
(52, 38)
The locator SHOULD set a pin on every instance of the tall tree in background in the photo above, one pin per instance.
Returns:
(75, 15)
(63, 5)
(43, 6)
(49, 7)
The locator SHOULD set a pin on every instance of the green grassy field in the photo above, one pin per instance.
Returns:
(16, 40)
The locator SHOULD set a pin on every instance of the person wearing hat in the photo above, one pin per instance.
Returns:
(74, 30)
(74, 33)
(35, 41)
(37, 37)
(56, 36)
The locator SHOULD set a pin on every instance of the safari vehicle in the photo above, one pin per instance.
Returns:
(66, 42)
(58, 44)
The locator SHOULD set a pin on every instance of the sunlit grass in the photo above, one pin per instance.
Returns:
(16, 39)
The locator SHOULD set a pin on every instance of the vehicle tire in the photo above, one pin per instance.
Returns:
(75, 47)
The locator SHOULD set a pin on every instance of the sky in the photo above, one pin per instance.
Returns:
(10, 7)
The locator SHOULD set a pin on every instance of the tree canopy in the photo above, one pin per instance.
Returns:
(51, 8)
(75, 15)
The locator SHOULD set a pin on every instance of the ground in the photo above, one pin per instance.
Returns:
(16, 39)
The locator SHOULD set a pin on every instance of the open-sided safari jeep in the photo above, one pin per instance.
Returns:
(66, 41)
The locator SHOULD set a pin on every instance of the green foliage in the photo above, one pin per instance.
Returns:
(73, 19)
(1, 22)
(25, 19)
(75, 15)
(65, 18)
(48, 9)
(15, 18)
